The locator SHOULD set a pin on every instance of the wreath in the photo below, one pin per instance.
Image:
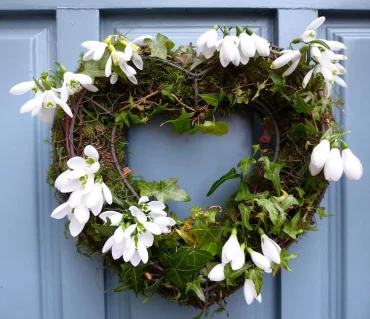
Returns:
(202, 259)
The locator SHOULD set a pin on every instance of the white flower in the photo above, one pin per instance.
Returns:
(250, 292)
(315, 24)
(333, 169)
(72, 84)
(351, 164)
(320, 154)
(308, 36)
(233, 252)
(228, 47)
(247, 47)
(77, 216)
(95, 50)
(262, 45)
(217, 273)
(260, 260)
(270, 249)
(335, 45)
(46, 101)
(120, 59)
(207, 43)
(113, 216)
(99, 194)
(288, 56)
(24, 87)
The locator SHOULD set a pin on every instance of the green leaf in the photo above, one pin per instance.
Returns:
(205, 233)
(277, 217)
(164, 190)
(245, 164)
(212, 247)
(211, 98)
(321, 212)
(137, 281)
(260, 88)
(229, 175)
(92, 69)
(245, 212)
(291, 228)
(154, 288)
(182, 264)
(285, 257)
(211, 128)
(256, 275)
(182, 123)
(272, 171)
(126, 119)
(301, 106)
(288, 202)
(306, 127)
(158, 48)
(279, 83)
(123, 287)
(300, 191)
(231, 275)
(195, 286)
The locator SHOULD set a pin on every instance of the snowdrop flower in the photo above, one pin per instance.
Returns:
(315, 24)
(289, 56)
(262, 45)
(335, 45)
(270, 249)
(72, 84)
(120, 59)
(231, 249)
(23, 87)
(95, 50)
(320, 154)
(260, 260)
(217, 273)
(250, 292)
(45, 102)
(207, 42)
(77, 216)
(333, 169)
(114, 217)
(139, 41)
(247, 47)
(351, 165)
(228, 47)
(99, 194)
(309, 34)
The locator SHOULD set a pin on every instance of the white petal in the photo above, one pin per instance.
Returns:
(62, 179)
(269, 249)
(308, 36)
(143, 252)
(335, 45)
(135, 259)
(32, 104)
(316, 23)
(118, 235)
(115, 217)
(93, 168)
(90, 87)
(108, 245)
(108, 66)
(70, 186)
(333, 168)
(22, 88)
(82, 214)
(132, 79)
(340, 81)
(152, 227)
(107, 194)
(249, 291)
(352, 165)
(113, 78)
(238, 260)
(75, 198)
(314, 170)
(156, 206)
(75, 228)
(95, 195)
(307, 78)
(63, 105)
(117, 251)
(212, 38)
(61, 211)
(202, 39)
(259, 298)
(291, 68)
(284, 59)
(137, 60)
(83, 78)
(91, 151)
(143, 199)
(141, 217)
(46, 115)
(320, 153)
(127, 69)
(208, 52)
(88, 55)
(99, 51)
(217, 273)
(247, 45)
(90, 44)
(233, 247)
(76, 162)
(129, 249)
(129, 230)
(140, 40)
(98, 207)
(261, 261)
(147, 239)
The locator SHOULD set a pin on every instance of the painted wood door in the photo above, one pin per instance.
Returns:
(41, 277)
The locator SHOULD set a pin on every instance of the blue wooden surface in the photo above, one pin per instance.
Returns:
(40, 277)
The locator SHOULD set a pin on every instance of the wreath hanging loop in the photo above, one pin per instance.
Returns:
(202, 259)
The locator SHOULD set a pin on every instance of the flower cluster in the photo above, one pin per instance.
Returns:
(318, 53)
(236, 49)
(121, 51)
(328, 157)
(52, 91)
(233, 253)
(135, 231)
(88, 191)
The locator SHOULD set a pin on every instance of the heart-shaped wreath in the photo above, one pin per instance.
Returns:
(200, 260)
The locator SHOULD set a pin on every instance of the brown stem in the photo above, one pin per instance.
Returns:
(140, 101)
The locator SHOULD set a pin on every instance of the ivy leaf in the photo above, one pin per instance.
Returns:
(301, 106)
(229, 175)
(272, 171)
(256, 275)
(231, 275)
(211, 128)
(300, 191)
(291, 228)
(279, 83)
(321, 212)
(277, 217)
(260, 88)
(195, 286)
(204, 233)
(245, 212)
(182, 123)
(211, 98)
(288, 202)
(157, 48)
(93, 69)
(285, 257)
(126, 118)
(245, 164)
(154, 288)
(212, 247)
(164, 190)
(306, 127)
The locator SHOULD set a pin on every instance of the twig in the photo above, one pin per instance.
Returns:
(115, 161)
(196, 92)
(183, 104)
(141, 100)
(101, 107)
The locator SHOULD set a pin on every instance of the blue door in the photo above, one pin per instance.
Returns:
(41, 277)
